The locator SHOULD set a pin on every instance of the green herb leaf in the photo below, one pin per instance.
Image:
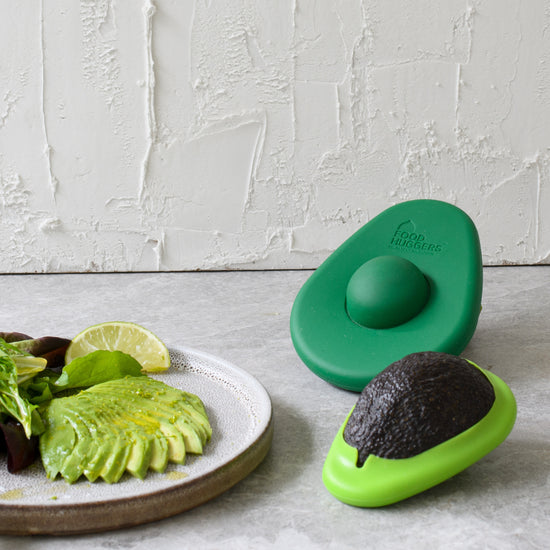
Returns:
(39, 389)
(11, 402)
(97, 367)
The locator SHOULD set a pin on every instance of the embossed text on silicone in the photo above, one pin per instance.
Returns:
(406, 236)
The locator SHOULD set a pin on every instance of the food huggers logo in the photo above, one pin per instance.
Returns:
(406, 236)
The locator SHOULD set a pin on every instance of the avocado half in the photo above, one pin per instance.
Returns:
(372, 480)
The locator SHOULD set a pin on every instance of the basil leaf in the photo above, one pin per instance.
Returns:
(97, 367)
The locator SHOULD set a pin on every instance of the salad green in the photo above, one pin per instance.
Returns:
(13, 364)
(97, 410)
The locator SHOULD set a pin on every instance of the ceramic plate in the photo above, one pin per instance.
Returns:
(240, 412)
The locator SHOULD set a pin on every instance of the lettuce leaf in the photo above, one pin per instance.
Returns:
(50, 348)
(12, 403)
(21, 451)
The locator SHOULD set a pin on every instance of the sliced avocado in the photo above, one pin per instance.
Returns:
(58, 439)
(107, 441)
(193, 441)
(115, 464)
(120, 446)
(149, 389)
(165, 404)
(106, 438)
(176, 428)
(198, 405)
(143, 436)
(131, 424)
(176, 443)
(84, 449)
(95, 466)
(166, 442)
(159, 454)
(98, 449)
(190, 407)
(146, 418)
(140, 454)
(139, 439)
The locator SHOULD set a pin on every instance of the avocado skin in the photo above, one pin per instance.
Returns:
(126, 425)
(417, 403)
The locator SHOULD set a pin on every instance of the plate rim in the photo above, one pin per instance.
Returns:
(128, 511)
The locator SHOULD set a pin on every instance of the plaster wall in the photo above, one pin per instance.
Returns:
(215, 134)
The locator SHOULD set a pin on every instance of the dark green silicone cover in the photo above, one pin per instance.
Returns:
(438, 239)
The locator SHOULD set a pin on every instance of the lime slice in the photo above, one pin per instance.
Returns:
(129, 338)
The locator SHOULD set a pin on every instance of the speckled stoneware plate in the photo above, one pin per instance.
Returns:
(239, 409)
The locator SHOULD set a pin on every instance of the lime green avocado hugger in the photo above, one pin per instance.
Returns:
(409, 280)
(382, 481)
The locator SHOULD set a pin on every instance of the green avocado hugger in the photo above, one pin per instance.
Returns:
(421, 421)
(409, 280)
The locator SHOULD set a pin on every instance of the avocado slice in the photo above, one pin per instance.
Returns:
(159, 455)
(151, 446)
(178, 437)
(191, 405)
(168, 406)
(107, 441)
(91, 443)
(58, 439)
(139, 439)
(140, 454)
(96, 438)
(120, 445)
(132, 424)
(115, 465)
(175, 429)
(85, 446)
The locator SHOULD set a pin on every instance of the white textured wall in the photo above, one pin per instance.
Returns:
(179, 134)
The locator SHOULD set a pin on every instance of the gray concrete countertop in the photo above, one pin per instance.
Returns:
(501, 502)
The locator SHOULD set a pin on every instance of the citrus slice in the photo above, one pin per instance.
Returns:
(130, 338)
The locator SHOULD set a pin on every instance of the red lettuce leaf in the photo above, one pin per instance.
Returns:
(51, 348)
(10, 337)
(22, 452)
